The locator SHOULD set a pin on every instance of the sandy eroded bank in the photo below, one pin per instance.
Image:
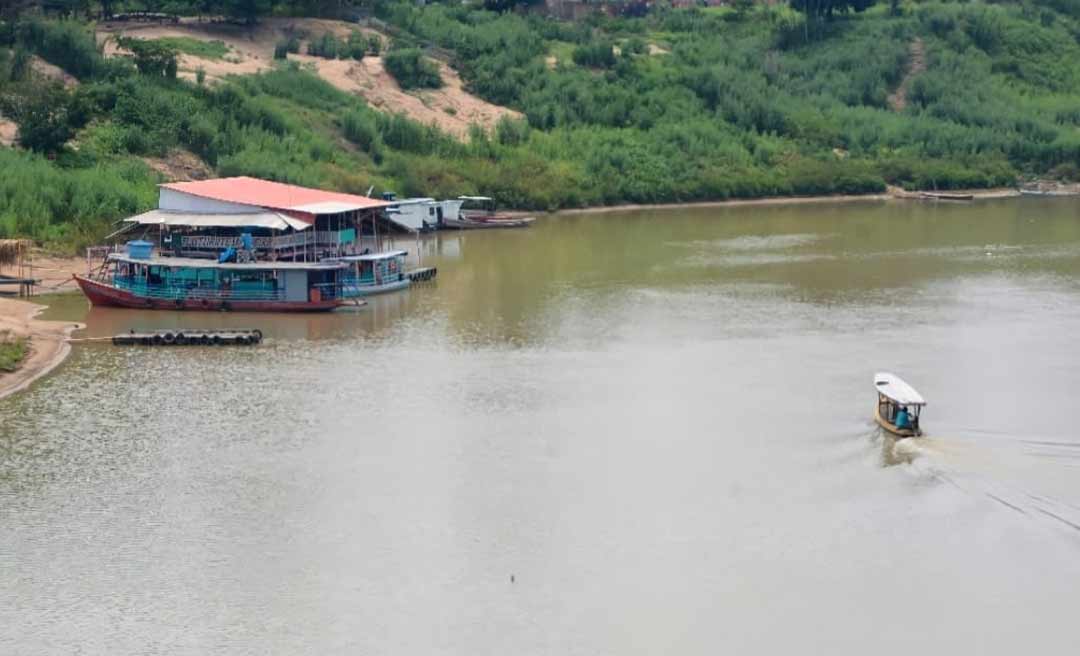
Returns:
(48, 343)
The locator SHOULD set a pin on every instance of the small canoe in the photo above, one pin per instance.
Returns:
(1041, 192)
(470, 223)
(946, 196)
(896, 396)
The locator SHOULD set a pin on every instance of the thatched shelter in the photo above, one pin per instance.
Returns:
(14, 252)
(16, 255)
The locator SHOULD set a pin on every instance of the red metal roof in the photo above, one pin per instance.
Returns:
(274, 195)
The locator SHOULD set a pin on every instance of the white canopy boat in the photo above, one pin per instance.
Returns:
(898, 405)
(378, 273)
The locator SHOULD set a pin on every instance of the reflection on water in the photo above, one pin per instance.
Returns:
(659, 423)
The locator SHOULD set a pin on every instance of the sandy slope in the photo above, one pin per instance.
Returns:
(9, 132)
(48, 343)
(252, 49)
(451, 108)
(52, 72)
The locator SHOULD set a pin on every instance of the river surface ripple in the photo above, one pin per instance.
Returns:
(634, 433)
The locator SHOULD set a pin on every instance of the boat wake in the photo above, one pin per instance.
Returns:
(1034, 477)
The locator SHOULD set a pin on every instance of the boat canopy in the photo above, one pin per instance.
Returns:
(894, 388)
(408, 201)
(272, 220)
(368, 257)
(478, 198)
(200, 263)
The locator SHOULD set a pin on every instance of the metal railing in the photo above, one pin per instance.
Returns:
(171, 291)
(296, 240)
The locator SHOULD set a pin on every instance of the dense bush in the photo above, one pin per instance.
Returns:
(47, 115)
(283, 48)
(68, 44)
(361, 127)
(48, 203)
(599, 55)
(326, 46)
(412, 70)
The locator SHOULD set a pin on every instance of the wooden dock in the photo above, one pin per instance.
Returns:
(26, 285)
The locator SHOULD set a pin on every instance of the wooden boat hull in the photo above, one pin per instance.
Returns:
(889, 426)
(480, 224)
(105, 295)
(372, 290)
(945, 196)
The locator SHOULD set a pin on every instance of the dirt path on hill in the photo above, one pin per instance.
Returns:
(916, 66)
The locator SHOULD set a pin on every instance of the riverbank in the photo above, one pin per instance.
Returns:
(47, 343)
(894, 193)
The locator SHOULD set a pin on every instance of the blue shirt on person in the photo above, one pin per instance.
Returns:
(902, 419)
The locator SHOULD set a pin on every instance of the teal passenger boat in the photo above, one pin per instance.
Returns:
(148, 281)
(373, 273)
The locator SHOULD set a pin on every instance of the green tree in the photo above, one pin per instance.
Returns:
(249, 10)
(47, 116)
(152, 58)
(412, 70)
(20, 65)
(827, 9)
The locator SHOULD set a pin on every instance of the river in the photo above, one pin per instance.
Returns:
(641, 432)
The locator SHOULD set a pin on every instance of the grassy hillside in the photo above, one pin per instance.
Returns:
(675, 106)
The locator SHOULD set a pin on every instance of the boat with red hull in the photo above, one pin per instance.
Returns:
(102, 294)
(149, 282)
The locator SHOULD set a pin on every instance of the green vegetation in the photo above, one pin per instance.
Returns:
(12, 351)
(330, 47)
(283, 48)
(194, 47)
(153, 57)
(746, 101)
(599, 54)
(412, 70)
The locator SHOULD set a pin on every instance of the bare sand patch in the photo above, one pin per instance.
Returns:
(9, 132)
(48, 344)
(52, 72)
(180, 166)
(451, 108)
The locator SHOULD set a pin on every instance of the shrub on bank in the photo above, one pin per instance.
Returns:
(12, 351)
(412, 70)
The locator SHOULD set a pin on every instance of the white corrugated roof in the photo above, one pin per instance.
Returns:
(272, 220)
(327, 207)
(367, 257)
(896, 389)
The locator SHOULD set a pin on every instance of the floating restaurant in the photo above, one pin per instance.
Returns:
(248, 244)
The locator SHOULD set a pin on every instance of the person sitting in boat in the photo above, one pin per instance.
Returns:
(902, 418)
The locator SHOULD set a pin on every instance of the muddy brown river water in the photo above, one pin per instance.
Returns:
(635, 433)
